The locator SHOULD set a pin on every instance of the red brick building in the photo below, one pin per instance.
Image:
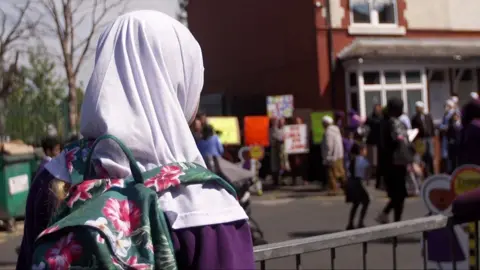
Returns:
(414, 49)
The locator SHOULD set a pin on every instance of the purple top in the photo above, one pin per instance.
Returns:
(470, 144)
(222, 246)
(438, 248)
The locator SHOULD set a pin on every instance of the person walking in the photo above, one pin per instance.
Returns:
(355, 190)
(450, 109)
(374, 122)
(398, 157)
(426, 131)
(332, 153)
(453, 135)
(276, 149)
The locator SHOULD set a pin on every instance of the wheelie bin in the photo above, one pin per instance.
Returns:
(15, 180)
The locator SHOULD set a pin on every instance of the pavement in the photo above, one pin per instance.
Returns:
(285, 218)
(297, 212)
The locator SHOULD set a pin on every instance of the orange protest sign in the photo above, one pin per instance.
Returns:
(256, 130)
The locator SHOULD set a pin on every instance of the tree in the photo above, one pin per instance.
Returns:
(65, 18)
(36, 103)
(15, 29)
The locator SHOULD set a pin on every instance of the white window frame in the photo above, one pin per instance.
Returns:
(374, 15)
(374, 27)
(403, 86)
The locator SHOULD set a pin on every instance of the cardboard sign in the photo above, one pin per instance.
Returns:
(466, 178)
(438, 197)
(256, 130)
(317, 125)
(229, 132)
(280, 106)
(257, 152)
(295, 139)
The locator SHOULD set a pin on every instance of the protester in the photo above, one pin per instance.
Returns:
(405, 120)
(354, 120)
(197, 129)
(398, 157)
(332, 153)
(339, 120)
(348, 142)
(469, 146)
(453, 137)
(144, 90)
(298, 162)
(276, 148)
(426, 131)
(374, 122)
(209, 144)
(356, 193)
(449, 111)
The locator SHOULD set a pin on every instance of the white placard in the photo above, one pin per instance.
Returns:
(18, 184)
(295, 139)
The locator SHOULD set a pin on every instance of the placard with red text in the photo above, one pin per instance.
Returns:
(295, 139)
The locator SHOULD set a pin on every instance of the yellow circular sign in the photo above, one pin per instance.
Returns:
(465, 178)
(257, 152)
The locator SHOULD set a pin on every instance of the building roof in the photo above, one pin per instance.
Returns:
(414, 48)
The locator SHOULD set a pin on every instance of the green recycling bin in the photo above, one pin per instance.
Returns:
(15, 179)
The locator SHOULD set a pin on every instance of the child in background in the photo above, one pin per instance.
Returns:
(51, 147)
(356, 193)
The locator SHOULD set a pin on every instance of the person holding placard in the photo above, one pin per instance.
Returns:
(424, 123)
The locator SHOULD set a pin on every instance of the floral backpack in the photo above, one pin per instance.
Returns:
(114, 223)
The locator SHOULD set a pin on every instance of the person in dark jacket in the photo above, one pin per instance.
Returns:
(469, 146)
(453, 138)
(397, 157)
(374, 122)
(426, 131)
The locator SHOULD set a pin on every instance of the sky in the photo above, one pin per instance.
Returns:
(169, 7)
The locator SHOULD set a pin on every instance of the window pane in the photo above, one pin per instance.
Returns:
(372, 98)
(353, 79)
(392, 77)
(413, 76)
(354, 101)
(361, 12)
(371, 77)
(394, 94)
(386, 12)
(412, 97)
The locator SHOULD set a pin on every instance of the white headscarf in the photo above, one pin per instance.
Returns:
(144, 89)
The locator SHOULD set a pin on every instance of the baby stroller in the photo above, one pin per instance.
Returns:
(242, 180)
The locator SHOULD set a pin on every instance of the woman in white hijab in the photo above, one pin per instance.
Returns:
(145, 90)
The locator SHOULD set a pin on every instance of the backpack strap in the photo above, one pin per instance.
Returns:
(136, 173)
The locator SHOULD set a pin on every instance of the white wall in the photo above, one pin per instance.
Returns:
(443, 14)
(337, 13)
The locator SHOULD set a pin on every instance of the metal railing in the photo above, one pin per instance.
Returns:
(331, 242)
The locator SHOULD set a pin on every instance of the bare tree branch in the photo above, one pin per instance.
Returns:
(66, 16)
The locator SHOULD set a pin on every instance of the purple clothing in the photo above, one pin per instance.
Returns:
(469, 146)
(353, 120)
(439, 250)
(347, 147)
(222, 246)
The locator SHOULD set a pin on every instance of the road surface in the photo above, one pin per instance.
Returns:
(287, 217)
